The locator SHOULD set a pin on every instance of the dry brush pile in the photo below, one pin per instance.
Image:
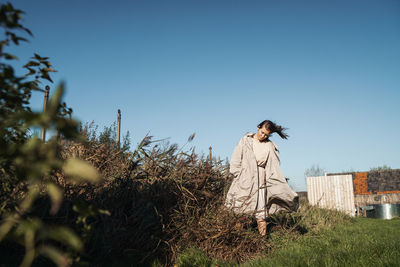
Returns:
(159, 200)
(155, 202)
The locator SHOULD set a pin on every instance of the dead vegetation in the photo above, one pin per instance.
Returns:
(157, 201)
(161, 200)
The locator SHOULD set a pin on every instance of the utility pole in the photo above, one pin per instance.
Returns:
(210, 156)
(119, 128)
(46, 98)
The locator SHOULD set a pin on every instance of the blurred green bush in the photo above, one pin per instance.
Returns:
(26, 162)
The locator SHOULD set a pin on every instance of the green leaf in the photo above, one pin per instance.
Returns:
(49, 70)
(55, 255)
(47, 64)
(46, 76)
(81, 171)
(31, 71)
(7, 225)
(55, 100)
(9, 56)
(56, 197)
(16, 39)
(31, 63)
(26, 204)
(104, 212)
(36, 56)
(29, 225)
(65, 236)
(28, 31)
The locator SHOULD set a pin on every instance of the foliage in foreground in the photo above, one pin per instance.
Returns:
(27, 164)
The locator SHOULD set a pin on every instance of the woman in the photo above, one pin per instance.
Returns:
(259, 187)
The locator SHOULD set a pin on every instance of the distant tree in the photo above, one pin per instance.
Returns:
(109, 137)
(380, 168)
(315, 170)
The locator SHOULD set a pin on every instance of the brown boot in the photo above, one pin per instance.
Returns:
(262, 227)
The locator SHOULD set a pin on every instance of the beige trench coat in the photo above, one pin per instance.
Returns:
(251, 180)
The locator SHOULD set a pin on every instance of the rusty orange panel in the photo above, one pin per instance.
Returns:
(360, 184)
(361, 175)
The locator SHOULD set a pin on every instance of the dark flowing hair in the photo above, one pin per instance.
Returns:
(274, 128)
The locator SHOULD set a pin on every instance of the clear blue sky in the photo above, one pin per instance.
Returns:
(327, 70)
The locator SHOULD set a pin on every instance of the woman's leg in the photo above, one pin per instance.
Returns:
(261, 212)
(262, 226)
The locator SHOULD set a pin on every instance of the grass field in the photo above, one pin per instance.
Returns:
(362, 242)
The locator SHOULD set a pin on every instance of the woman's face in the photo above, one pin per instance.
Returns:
(262, 134)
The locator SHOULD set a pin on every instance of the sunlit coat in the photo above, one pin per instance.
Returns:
(251, 180)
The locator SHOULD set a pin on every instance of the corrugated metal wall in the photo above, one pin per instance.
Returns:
(332, 192)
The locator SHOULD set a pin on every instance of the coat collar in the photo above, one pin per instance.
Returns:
(250, 135)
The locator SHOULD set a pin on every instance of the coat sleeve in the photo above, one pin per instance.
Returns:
(276, 151)
(236, 159)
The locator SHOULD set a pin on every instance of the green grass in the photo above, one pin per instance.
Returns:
(362, 242)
